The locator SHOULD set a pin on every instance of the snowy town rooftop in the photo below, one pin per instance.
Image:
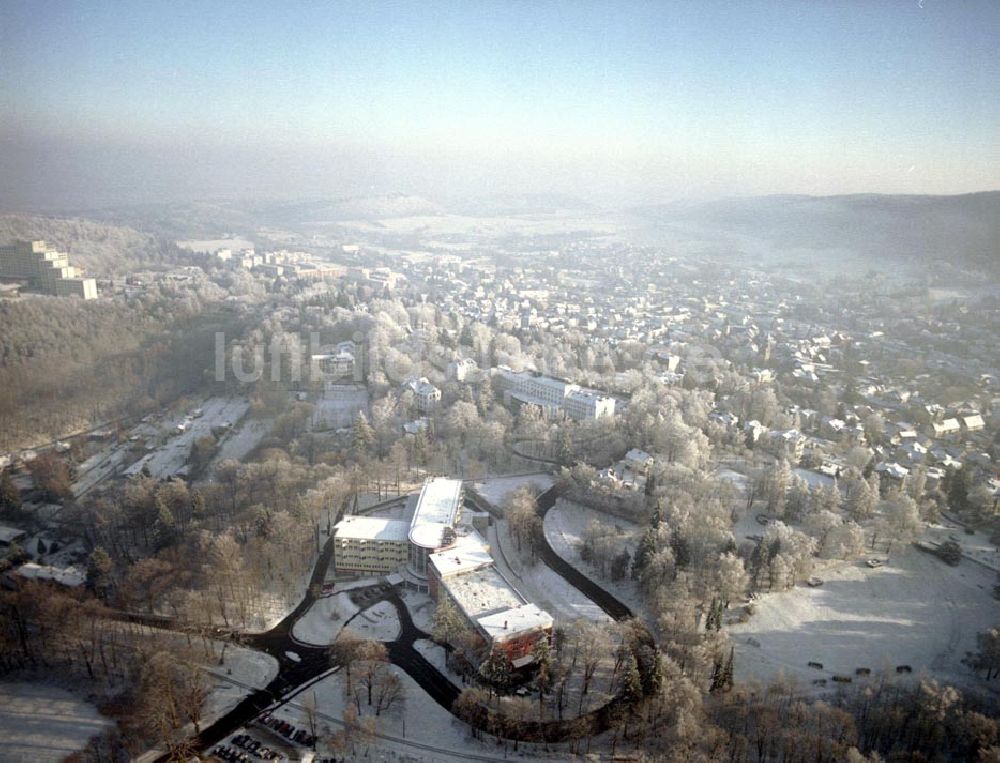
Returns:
(483, 592)
(67, 576)
(436, 510)
(507, 623)
(371, 528)
(469, 553)
(10, 535)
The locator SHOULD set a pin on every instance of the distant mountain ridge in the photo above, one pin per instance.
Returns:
(377, 207)
(962, 229)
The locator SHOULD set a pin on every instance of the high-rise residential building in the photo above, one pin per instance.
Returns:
(44, 270)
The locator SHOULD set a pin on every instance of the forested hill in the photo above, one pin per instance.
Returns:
(99, 248)
(963, 229)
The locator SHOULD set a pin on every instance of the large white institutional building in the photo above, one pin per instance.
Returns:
(554, 395)
(44, 270)
(370, 544)
(437, 554)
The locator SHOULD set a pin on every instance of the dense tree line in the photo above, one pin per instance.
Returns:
(68, 364)
(97, 247)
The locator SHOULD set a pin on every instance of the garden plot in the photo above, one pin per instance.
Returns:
(914, 611)
(41, 723)
(321, 624)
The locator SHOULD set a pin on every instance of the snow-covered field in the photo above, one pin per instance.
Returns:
(414, 729)
(975, 546)
(813, 479)
(541, 223)
(565, 527)
(283, 593)
(438, 657)
(211, 246)
(239, 442)
(539, 584)
(338, 407)
(242, 670)
(739, 480)
(914, 611)
(378, 623)
(495, 490)
(321, 624)
(44, 723)
(421, 607)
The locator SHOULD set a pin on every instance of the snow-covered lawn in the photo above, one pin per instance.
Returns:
(565, 528)
(210, 246)
(421, 607)
(495, 490)
(338, 407)
(240, 441)
(321, 624)
(436, 655)
(378, 623)
(914, 611)
(539, 584)
(415, 728)
(44, 723)
(813, 479)
(241, 668)
(976, 546)
(283, 594)
(738, 480)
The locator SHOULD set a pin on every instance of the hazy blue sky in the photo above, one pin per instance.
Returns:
(638, 100)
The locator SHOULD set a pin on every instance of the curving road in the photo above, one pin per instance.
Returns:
(315, 662)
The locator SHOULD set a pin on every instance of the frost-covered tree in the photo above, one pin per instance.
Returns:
(901, 518)
(860, 502)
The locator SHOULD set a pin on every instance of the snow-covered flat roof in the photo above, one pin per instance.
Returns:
(514, 621)
(469, 553)
(68, 576)
(436, 510)
(482, 592)
(371, 528)
(10, 534)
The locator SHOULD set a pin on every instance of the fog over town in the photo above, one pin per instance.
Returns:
(494, 381)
